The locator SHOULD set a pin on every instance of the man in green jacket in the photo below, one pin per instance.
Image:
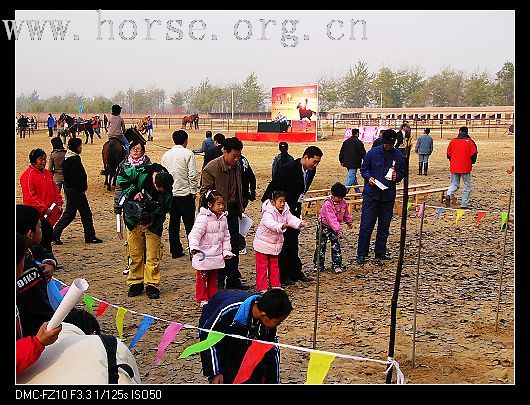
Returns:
(147, 192)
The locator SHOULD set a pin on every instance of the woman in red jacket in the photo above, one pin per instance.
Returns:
(39, 190)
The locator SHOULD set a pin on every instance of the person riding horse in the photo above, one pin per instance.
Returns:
(192, 119)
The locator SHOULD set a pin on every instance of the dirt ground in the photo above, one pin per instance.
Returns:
(458, 286)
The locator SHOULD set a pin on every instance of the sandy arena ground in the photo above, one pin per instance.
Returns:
(459, 275)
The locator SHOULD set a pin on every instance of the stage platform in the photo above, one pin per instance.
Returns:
(276, 136)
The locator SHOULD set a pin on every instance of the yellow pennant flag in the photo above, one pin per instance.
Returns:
(119, 321)
(459, 214)
(318, 367)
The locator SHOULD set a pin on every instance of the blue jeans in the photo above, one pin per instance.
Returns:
(423, 158)
(455, 183)
(351, 179)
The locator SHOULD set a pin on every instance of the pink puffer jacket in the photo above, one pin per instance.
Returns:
(210, 235)
(269, 235)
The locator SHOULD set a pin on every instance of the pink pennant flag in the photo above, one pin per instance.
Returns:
(253, 356)
(420, 210)
(101, 308)
(64, 290)
(480, 215)
(169, 335)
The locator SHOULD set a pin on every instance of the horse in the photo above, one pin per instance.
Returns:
(304, 113)
(142, 125)
(75, 127)
(113, 154)
(192, 119)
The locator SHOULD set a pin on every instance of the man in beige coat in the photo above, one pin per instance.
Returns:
(224, 175)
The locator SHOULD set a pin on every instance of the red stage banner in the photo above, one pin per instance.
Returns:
(299, 105)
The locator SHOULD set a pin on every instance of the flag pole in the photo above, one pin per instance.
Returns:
(502, 261)
(416, 288)
(393, 307)
(319, 239)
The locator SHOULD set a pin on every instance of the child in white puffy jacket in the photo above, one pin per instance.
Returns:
(268, 240)
(209, 242)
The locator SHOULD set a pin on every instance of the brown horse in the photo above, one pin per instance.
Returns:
(113, 154)
(142, 125)
(192, 119)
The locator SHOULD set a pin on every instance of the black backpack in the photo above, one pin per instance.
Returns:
(111, 345)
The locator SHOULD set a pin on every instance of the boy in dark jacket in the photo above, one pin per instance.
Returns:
(39, 264)
(251, 316)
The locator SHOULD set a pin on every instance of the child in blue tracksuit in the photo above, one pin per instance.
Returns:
(252, 316)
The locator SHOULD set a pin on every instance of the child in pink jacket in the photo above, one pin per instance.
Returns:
(209, 242)
(268, 239)
(334, 211)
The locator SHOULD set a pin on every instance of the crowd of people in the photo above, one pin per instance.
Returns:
(147, 191)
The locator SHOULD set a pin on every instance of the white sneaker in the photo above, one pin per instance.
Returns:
(243, 251)
(126, 271)
(338, 270)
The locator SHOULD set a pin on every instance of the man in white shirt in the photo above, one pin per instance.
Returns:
(181, 164)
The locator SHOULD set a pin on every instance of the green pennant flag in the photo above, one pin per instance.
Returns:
(504, 218)
(211, 339)
(89, 302)
(409, 204)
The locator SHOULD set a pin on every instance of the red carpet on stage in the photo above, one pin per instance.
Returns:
(276, 136)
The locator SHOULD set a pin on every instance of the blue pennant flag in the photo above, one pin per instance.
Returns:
(54, 293)
(439, 213)
(80, 108)
(144, 325)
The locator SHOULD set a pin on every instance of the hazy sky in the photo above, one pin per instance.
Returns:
(185, 46)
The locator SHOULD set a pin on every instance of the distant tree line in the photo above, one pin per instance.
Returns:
(404, 87)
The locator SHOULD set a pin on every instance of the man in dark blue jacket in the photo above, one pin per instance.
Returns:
(378, 203)
(251, 316)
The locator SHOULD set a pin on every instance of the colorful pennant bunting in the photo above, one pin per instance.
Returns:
(459, 214)
(119, 321)
(101, 308)
(212, 339)
(54, 295)
(89, 302)
(439, 213)
(420, 210)
(480, 215)
(409, 204)
(169, 335)
(253, 356)
(142, 328)
(504, 217)
(318, 367)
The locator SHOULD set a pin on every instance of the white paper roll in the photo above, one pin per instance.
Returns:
(75, 292)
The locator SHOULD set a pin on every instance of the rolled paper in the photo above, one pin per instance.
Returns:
(72, 297)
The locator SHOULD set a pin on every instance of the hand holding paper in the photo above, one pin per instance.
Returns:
(72, 297)
(380, 185)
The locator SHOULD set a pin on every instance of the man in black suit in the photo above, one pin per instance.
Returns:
(294, 179)
(351, 155)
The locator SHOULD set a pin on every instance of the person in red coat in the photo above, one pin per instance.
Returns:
(462, 154)
(39, 190)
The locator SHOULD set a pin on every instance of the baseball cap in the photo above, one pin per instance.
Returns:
(389, 137)
(283, 145)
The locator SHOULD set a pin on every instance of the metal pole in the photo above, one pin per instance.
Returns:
(502, 261)
(416, 290)
(403, 235)
(319, 239)
(232, 103)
